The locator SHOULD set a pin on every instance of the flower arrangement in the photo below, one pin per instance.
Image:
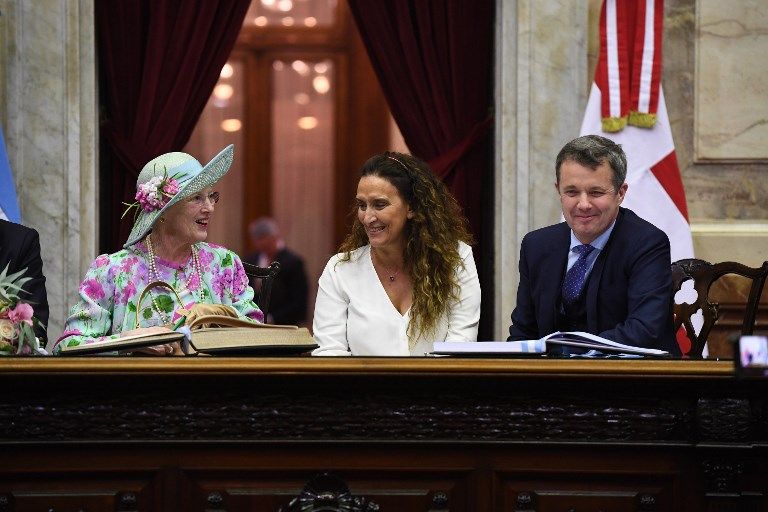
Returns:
(17, 323)
(154, 194)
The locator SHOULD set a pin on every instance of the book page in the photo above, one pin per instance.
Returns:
(124, 342)
(593, 341)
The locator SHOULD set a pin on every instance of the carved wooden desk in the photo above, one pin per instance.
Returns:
(429, 434)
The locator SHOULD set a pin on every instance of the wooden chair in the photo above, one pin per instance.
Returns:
(328, 493)
(265, 276)
(704, 274)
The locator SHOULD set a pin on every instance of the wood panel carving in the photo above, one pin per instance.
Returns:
(454, 436)
(220, 414)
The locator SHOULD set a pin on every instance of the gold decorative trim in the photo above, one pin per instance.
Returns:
(642, 119)
(614, 124)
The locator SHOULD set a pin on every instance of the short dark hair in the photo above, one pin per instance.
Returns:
(591, 151)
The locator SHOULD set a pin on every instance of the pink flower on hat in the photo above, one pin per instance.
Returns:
(155, 193)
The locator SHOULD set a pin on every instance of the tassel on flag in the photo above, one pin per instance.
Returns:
(626, 105)
(629, 65)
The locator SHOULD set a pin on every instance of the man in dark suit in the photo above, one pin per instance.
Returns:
(604, 270)
(20, 249)
(288, 302)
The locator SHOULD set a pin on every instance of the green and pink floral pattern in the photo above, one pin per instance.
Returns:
(111, 288)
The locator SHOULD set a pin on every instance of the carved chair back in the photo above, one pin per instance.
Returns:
(265, 277)
(704, 274)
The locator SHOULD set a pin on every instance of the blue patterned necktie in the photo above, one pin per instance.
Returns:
(574, 278)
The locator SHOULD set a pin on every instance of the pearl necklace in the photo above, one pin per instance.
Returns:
(154, 273)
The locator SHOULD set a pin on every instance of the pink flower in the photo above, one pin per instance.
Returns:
(127, 264)
(206, 258)
(101, 261)
(171, 187)
(240, 280)
(92, 288)
(156, 192)
(256, 315)
(222, 282)
(194, 282)
(21, 313)
(128, 291)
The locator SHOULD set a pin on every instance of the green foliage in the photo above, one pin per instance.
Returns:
(165, 303)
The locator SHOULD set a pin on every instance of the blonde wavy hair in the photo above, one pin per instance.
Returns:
(432, 236)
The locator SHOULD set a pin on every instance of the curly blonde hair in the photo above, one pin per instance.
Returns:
(432, 236)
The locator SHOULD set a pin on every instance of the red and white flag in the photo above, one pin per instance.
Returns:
(626, 105)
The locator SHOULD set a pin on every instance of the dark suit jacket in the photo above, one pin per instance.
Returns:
(628, 295)
(20, 248)
(288, 303)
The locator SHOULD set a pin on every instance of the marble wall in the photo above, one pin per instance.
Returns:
(48, 110)
(727, 195)
(729, 47)
(717, 190)
(541, 59)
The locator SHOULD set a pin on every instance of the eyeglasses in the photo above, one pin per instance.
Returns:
(199, 199)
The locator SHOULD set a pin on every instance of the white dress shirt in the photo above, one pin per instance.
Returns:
(354, 315)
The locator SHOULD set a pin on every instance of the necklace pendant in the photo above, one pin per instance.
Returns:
(391, 279)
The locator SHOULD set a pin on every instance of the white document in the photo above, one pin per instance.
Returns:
(569, 339)
(580, 339)
(489, 347)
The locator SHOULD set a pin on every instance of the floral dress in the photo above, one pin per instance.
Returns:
(110, 292)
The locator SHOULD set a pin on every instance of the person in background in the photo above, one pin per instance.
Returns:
(604, 270)
(404, 276)
(19, 250)
(175, 204)
(288, 301)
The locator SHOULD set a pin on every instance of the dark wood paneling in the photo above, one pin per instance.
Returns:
(408, 434)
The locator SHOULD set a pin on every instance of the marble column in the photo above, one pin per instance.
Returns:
(48, 104)
(541, 92)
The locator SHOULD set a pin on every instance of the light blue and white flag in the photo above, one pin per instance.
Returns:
(9, 205)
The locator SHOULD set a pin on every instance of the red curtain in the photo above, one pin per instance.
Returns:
(160, 60)
(434, 62)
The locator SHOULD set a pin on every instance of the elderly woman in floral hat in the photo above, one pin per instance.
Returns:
(175, 203)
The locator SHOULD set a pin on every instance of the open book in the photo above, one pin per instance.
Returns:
(577, 339)
(213, 334)
(121, 344)
(262, 340)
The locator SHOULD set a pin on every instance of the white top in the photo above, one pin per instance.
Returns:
(354, 316)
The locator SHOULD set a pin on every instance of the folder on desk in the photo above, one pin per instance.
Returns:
(581, 340)
(588, 341)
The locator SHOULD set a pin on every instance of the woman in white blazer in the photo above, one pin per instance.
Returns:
(404, 276)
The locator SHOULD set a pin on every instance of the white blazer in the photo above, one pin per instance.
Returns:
(354, 316)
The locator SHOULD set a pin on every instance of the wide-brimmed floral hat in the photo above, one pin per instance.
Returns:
(166, 180)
